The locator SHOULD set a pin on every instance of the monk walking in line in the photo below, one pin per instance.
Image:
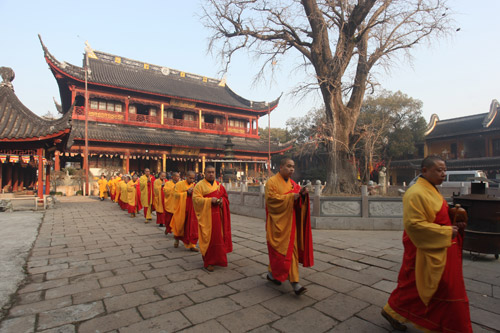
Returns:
(118, 179)
(288, 227)
(169, 190)
(134, 202)
(123, 199)
(146, 183)
(184, 223)
(159, 198)
(112, 188)
(103, 187)
(431, 292)
(211, 206)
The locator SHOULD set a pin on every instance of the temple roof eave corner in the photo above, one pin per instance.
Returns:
(432, 124)
(492, 114)
(253, 105)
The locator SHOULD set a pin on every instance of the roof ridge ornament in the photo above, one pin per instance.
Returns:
(494, 106)
(8, 76)
(432, 124)
(165, 71)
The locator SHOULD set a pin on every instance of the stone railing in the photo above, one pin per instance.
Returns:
(348, 213)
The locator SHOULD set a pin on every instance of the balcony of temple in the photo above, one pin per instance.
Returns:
(132, 111)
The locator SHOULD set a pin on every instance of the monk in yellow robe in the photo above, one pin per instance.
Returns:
(123, 200)
(168, 192)
(159, 198)
(146, 183)
(111, 187)
(211, 206)
(103, 187)
(184, 223)
(118, 179)
(134, 197)
(431, 291)
(288, 227)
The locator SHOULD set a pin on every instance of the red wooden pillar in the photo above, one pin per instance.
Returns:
(21, 178)
(15, 177)
(57, 165)
(127, 161)
(47, 175)
(227, 123)
(39, 152)
(9, 176)
(1, 176)
(126, 109)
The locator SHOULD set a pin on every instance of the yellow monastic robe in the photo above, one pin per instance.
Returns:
(280, 213)
(146, 197)
(180, 195)
(123, 191)
(203, 209)
(157, 196)
(131, 192)
(168, 190)
(103, 190)
(117, 188)
(421, 203)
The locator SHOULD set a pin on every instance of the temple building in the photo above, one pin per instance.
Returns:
(143, 115)
(27, 142)
(466, 143)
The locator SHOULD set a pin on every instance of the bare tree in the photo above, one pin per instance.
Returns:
(341, 41)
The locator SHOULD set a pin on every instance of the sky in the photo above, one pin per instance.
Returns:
(453, 77)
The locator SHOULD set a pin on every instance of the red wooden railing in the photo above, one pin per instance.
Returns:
(143, 118)
(214, 127)
(79, 112)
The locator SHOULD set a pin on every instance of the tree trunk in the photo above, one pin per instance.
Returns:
(341, 171)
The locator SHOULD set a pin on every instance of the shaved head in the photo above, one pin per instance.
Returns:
(430, 161)
(283, 161)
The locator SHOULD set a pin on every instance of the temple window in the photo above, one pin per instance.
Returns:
(170, 114)
(189, 116)
(79, 101)
(152, 111)
(237, 123)
(101, 104)
(140, 109)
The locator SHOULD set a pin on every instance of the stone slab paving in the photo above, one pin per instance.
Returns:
(95, 269)
(18, 232)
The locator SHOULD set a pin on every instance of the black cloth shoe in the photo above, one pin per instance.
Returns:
(394, 323)
(276, 282)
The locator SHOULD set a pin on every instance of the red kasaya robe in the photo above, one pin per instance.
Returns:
(431, 291)
(184, 223)
(158, 201)
(288, 228)
(214, 223)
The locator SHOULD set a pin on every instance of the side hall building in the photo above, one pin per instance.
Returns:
(27, 142)
(143, 115)
(465, 143)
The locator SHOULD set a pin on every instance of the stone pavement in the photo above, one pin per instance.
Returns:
(18, 233)
(94, 269)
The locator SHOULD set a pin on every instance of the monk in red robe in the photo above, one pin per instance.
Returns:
(184, 223)
(211, 206)
(431, 291)
(288, 227)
